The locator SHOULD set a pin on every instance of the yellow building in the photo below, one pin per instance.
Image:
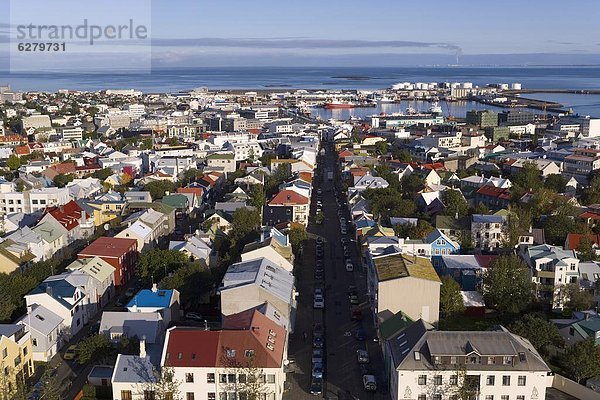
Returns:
(107, 208)
(16, 361)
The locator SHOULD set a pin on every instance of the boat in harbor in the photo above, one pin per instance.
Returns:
(338, 104)
(435, 108)
(385, 100)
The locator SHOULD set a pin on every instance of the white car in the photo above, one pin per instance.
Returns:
(319, 301)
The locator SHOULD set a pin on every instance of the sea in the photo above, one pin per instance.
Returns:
(363, 78)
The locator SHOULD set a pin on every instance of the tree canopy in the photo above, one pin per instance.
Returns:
(582, 360)
(451, 300)
(158, 189)
(507, 285)
(158, 263)
(455, 203)
(538, 331)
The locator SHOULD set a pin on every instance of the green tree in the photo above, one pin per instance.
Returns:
(51, 387)
(190, 175)
(194, 282)
(158, 263)
(582, 360)
(297, 238)
(158, 189)
(13, 162)
(412, 184)
(258, 196)
(277, 177)
(103, 173)
(585, 250)
(451, 300)
(61, 180)
(507, 285)
(480, 208)
(401, 155)
(93, 348)
(578, 299)
(381, 147)
(266, 158)
(519, 223)
(557, 227)
(538, 331)
(556, 182)
(591, 194)
(528, 177)
(455, 203)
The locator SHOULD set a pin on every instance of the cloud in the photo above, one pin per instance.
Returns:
(303, 43)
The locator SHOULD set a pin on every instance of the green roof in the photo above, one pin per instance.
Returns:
(397, 266)
(220, 156)
(448, 222)
(50, 230)
(176, 200)
(394, 324)
(155, 205)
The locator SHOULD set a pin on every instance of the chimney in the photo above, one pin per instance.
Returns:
(49, 290)
(143, 347)
(586, 315)
(154, 288)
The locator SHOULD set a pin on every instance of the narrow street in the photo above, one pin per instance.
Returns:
(342, 372)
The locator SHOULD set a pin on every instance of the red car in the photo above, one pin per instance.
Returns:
(356, 314)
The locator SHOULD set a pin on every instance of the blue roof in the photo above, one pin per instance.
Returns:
(148, 298)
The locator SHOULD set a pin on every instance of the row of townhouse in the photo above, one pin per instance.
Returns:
(258, 302)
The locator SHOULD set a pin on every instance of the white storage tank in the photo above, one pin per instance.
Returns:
(503, 86)
(516, 86)
(467, 85)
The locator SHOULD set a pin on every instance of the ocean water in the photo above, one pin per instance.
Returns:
(287, 78)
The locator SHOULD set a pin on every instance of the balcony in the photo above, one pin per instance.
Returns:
(544, 274)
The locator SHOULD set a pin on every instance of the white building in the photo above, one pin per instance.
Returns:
(424, 364)
(135, 110)
(489, 231)
(69, 133)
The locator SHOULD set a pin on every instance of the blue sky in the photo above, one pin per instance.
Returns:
(289, 32)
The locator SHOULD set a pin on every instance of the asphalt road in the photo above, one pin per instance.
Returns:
(343, 376)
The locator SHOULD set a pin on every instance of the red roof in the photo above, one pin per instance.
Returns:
(590, 215)
(194, 347)
(493, 191)
(485, 261)
(346, 153)
(573, 240)
(63, 168)
(67, 215)
(434, 166)
(22, 150)
(305, 176)
(109, 247)
(287, 196)
(194, 190)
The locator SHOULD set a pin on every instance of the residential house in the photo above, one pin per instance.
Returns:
(489, 232)
(441, 245)
(45, 328)
(552, 268)
(182, 204)
(55, 237)
(287, 206)
(219, 220)
(164, 301)
(64, 299)
(101, 288)
(148, 326)
(107, 208)
(222, 160)
(467, 270)
(275, 248)
(14, 256)
(78, 224)
(251, 283)
(424, 364)
(455, 228)
(493, 197)
(413, 276)
(140, 232)
(121, 253)
(197, 248)
(17, 358)
(575, 330)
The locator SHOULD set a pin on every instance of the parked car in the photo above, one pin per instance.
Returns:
(317, 371)
(318, 328)
(318, 291)
(362, 356)
(369, 383)
(319, 239)
(316, 386)
(353, 299)
(356, 314)
(349, 265)
(317, 356)
(319, 275)
(360, 334)
(318, 342)
(70, 353)
(319, 301)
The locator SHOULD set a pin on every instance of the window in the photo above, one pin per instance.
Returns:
(222, 396)
(422, 397)
(149, 395)
(211, 396)
(437, 397)
(507, 360)
(210, 378)
(231, 395)
(242, 378)
(125, 394)
(422, 379)
(24, 351)
(230, 353)
(437, 360)
(522, 380)
(34, 342)
(222, 378)
(506, 380)
(491, 360)
(271, 378)
(189, 396)
(453, 380)
(231, 378)
(505, 397)
(249, 353)
(521, 397)
(437, 380)
(489, 397)
(453, 360)
(189, 377)
(490, 380)
(4, 352)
